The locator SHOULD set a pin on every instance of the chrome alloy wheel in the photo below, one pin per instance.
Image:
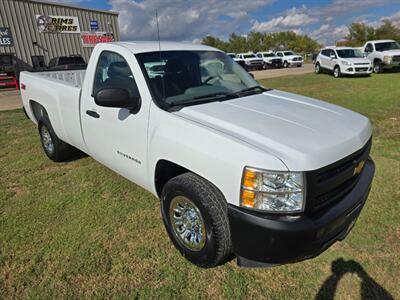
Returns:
(187, 223)
(47, 141)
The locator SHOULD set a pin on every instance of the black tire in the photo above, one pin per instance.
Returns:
(318, 68)
(285, 64)
(217, 245)
(299, 66)
(377, 66)
(336, 72)
(58, 151)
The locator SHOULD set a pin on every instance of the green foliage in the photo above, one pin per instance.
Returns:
(257, 41)
(360, 33)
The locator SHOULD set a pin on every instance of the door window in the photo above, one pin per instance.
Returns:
(369, 48)
(113, 72)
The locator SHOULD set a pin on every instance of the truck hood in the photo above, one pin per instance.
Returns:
(306, 134)
(391, 52)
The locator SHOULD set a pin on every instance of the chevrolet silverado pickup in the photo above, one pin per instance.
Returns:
(383, 54)
(265, 175)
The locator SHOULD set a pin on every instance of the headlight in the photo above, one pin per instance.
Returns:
(346, 63)
(247, 62)
(270, 191)
(387, 59)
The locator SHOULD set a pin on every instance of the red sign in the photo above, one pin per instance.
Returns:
(91, 39)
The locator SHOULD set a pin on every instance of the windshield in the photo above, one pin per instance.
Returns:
(387, 46)
(249, 56)
(349, 53)
(288, 53)
(194, 77)
(269, 54)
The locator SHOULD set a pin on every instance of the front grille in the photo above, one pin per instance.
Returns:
(256, 62)
(297, 59)
(361, 64)
(361, 69)
(396, 58)
(329, 185)
(276, 61)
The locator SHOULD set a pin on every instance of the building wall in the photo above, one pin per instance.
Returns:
(20, 17)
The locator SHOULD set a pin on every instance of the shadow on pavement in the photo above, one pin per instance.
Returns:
(370, 289)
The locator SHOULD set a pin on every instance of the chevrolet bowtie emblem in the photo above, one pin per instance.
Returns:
(359, 167)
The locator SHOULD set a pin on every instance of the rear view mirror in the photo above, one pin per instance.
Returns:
(117, 97)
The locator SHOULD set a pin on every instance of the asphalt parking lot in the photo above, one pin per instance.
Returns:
(272, 73)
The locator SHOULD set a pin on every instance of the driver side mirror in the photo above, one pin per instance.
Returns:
(119, 98)
(332, 56)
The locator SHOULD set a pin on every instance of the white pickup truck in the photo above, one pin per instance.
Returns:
(383, 54)
(266, 175)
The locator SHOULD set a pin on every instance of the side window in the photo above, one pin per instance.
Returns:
(259, 55)
(332, 52)
(369, 48)
(325, 52)
(279, 54)
(113, 72)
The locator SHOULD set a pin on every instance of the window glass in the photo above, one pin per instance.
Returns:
(113, 71)
(279, 54)
(287, 53)
(325, 52)
(386, 46)
(349, 53)
(369, 48)
(187, 77)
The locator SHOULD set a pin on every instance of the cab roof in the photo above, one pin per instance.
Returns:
(381, 41)
(152, 46)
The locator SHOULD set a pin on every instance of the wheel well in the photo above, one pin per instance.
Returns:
(38, 110)
(377, 60)
(165, 170)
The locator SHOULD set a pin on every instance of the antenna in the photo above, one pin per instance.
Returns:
(159, 51)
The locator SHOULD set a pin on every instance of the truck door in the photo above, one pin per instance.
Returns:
(115, 136)
(369, 50)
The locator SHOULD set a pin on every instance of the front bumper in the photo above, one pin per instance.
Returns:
(265, 240)
(295, 63)
(351, 70)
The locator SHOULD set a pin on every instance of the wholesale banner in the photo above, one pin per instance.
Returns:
(6, 37)
(91, 39)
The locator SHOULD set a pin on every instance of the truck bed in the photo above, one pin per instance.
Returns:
(59, 93)
(73, 78)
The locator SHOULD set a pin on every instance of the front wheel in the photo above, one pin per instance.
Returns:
(285, 64)
(195, 215)
(336, 72)
(377, 67)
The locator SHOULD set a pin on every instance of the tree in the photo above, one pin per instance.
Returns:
(388, 31)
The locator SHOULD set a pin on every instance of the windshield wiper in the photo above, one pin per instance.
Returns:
(250, 89)
(204, 99)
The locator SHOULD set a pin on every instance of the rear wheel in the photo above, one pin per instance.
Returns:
(55, 149)
(195, 214)
(285, 64)
(317, 68)
(336, 72)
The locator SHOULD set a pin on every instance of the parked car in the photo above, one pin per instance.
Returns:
(270, 176)
(240, 61)
(73, 62)
(290, 59)
(343, 61)
(271, 60)
(384, 54)
(251, 61)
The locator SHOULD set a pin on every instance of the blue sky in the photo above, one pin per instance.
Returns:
(190, 20)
